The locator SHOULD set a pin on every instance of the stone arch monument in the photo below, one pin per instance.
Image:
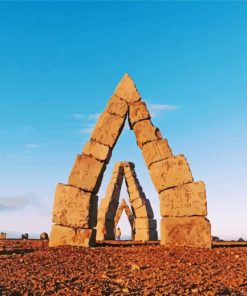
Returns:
(144, 224)
(124, 207)
(182, 201)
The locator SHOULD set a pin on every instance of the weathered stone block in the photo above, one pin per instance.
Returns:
(145, 223)
(137, 203)
(108, 213)
(100, 231)
(143, 212)
(3, 235)
(117, 179)
(108, 129)
(136, 195)
(104, 203)
(113, 191)
(184, 200)
(62, 236)
(126, 90)
(44, 236)
(134, 188)
(145, 132)
(74, 207)
(105, 230)
(97, 150)
(87, 173)
(127, 164)
(171, 172)
(132, 183)
(118, 168)
(117, 106)
(130, 174)
(186, 231)
(156, 151)
(137, 111)
(145, 234)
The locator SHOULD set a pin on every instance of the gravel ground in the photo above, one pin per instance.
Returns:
(31, 268)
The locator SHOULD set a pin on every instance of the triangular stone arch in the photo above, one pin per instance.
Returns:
(145, 225)
(182, 202)
(123, 206)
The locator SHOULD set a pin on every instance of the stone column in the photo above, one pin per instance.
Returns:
(75, 204)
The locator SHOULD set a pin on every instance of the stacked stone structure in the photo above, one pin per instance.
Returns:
(144, 224)
(3, 235)
(124, 207)
(183, 201)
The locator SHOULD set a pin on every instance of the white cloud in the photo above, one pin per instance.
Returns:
(92, 119)
(31, 146)
(11, 203)
(94, 116)
(77, 116)
(86, 130)
(156, 109)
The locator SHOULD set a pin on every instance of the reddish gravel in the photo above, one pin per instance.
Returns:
(31, 268)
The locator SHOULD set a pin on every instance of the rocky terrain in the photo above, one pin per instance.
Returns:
(31, 268)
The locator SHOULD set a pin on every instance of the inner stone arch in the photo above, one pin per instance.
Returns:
(144, 225)
(123, 207)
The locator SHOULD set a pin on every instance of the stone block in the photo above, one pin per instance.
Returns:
(113, 191)
(145, 234)
(105, 230)
(134, 188)
(145, 132)
(3, 235)
(118, 169)
(99, 151)
(108, 129)
(117, 106)
(100, 232)
(156, 151)
(126, 90)
(186, 231)
(44, 236)
(133, 183)
(87, 173)
(127, 164)
(62, 236)
(137, 203)
(130, 174)
(171, 172)
(117, 179)
(143, 212)
(74, 207)
(109, 212)
(149, 208)
(136, 195)
(145, 223)
(104, 204)
(184, 200)
(137, 111)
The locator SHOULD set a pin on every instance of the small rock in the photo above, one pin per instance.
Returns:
(119, 281)
(135, 267)
(125, 290)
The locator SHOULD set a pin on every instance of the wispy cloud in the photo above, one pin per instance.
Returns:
(31, 146)
(12, 203)
(77, 116)
(80, 116)
(156, 109)
(91, 121)
(94, 116)
(86, 130)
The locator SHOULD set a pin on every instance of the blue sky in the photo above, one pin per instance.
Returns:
(59, 64)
